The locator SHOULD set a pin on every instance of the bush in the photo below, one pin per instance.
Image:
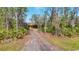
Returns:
(12, 33)
(18, 34)
(66, 31)
(1, 35)
(49, 29)
(23, 30)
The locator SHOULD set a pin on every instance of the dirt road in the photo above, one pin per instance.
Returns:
(38, 43)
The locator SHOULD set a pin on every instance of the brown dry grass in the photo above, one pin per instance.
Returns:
(15, 45)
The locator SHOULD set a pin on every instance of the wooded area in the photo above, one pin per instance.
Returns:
(60, 21)
(56, 20)
(12, 24)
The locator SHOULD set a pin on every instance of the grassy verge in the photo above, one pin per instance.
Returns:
(15, 45)
(68, 44)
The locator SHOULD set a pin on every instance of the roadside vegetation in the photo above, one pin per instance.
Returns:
(60, 22)
(68, 44)
(15, 45)
(12, 27)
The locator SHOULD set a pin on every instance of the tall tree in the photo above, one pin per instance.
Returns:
(55, 20)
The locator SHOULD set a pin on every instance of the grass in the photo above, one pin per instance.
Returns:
(15, 45)
(68, 44)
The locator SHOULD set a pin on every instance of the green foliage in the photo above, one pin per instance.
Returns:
(50, 29)
(20, 33)
(67, 31)
(12, 22)
(1, 35)
(23, 30)
(12, 33)
(17, 34)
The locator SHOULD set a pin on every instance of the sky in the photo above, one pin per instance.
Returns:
(34, 10)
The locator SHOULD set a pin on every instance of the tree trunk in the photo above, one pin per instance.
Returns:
(16, 20)
(55, 21)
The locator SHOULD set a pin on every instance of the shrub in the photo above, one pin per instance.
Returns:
(12, 33)
(23, 30)
(18, 34)
(1, 35)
